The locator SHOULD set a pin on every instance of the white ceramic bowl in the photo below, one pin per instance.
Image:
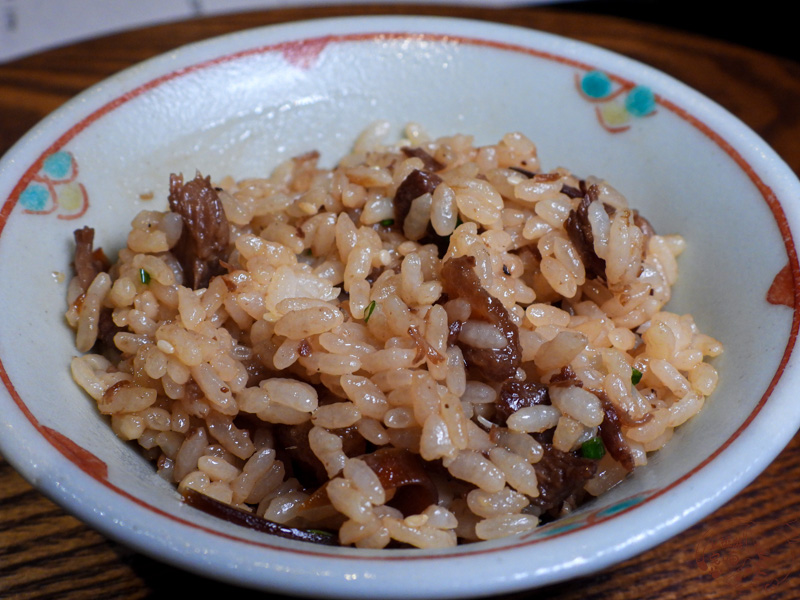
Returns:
(237, 105)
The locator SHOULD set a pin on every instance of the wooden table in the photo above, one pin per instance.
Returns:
(747, 549)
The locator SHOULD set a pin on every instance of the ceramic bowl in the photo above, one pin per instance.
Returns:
(241, 103)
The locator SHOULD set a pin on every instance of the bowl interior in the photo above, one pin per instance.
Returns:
(241, 104)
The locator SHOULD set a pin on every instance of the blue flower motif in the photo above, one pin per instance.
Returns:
(35, 197)
(640, 101)
(58, 165)
(596, 84)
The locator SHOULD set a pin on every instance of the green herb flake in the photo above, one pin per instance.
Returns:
(593, 448)
(387, 222)
(144, 276)
(368, 310)
(636, 376)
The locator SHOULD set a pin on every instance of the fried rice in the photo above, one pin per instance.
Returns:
(432, 343)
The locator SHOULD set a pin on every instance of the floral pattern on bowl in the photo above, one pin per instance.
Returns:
(616, 104)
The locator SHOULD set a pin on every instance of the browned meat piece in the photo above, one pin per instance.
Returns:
(515, 395)
(460, 281)
(525, 172)
(611, 434)
(430, 163)
(88, 262)
(413, 186)
(106, 330)
(247, 519)
(294, 450)
(580, 234)
(204, 239)
(404, 472)
(561, 477)
(570, 191)
(566, 376)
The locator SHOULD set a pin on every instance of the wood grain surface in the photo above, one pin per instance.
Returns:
(747, 549)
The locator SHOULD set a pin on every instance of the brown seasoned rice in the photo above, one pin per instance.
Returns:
(330, 336)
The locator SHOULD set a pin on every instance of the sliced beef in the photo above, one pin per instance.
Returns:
(566, 377)
(88, 262)
(204, 238)
(579, 230)
(611, 433)
(419, 182)
(540, 177)
(460, 281)
(106, 330)
(571, 192)
(413, 186)
(525, 172)
(406, 474)
(237, 516)
(561, 477)
(294, 450)
(517, 394)
(429, 163)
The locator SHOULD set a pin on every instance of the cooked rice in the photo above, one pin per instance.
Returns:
(330, 322)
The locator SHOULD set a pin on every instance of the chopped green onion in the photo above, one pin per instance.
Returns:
(368, 310)
(636, 376)
(593, 448)
(387, 222)
(144, 276)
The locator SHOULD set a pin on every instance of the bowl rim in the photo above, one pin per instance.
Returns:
(66, 487)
